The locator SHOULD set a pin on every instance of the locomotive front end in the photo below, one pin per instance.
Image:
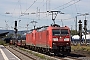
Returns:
(61, 40)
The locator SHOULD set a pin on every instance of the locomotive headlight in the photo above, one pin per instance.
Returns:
(55, 39)
(66, 39)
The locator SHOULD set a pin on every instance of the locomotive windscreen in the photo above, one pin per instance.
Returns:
(64, 31)
(60, 32)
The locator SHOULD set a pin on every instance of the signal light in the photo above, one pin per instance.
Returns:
(85, 25)
(15, 23)
(85, 22)
(80, 27)
(15, 27)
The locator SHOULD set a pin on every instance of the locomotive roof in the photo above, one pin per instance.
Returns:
(59, 27)
(53, 26)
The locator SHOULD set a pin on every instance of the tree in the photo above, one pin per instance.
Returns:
(73, 32)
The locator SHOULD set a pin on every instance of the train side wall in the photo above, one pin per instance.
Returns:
(42, 39)
(29, 38)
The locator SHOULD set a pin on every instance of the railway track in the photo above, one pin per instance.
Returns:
(23, 53)
(20, 54)
(47, 57)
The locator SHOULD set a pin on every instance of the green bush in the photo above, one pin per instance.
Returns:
(2, 42)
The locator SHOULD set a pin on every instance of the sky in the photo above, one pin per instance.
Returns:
(25, 11)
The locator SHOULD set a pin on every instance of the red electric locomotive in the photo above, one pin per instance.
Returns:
(30, 39)
(52, 38)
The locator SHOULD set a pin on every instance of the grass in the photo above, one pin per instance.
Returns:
(42, 56)
(2, 42)
(39, 55)
(81, 48)
(36, 54)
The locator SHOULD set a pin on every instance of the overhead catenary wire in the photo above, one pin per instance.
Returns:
(67, 18)
(31, 5)
(64, 4)
(70, 5)
(49, 4)
(19, 1)
(36, 0)
(28, 8)
(76, 8)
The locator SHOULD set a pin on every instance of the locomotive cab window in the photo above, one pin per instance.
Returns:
(64, 31)
(60, 32)
(56, 32)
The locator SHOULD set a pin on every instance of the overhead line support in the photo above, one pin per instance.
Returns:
(54, 17)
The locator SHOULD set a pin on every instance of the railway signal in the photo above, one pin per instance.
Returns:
(15, 27)
(15, 23)
(85, 25)
(85, 22)
(85, 29)
(80, 27)
(15, 32)
(80, 30)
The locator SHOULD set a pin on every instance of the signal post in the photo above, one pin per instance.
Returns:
(85, 30)
(80, 30)
(15, 32)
